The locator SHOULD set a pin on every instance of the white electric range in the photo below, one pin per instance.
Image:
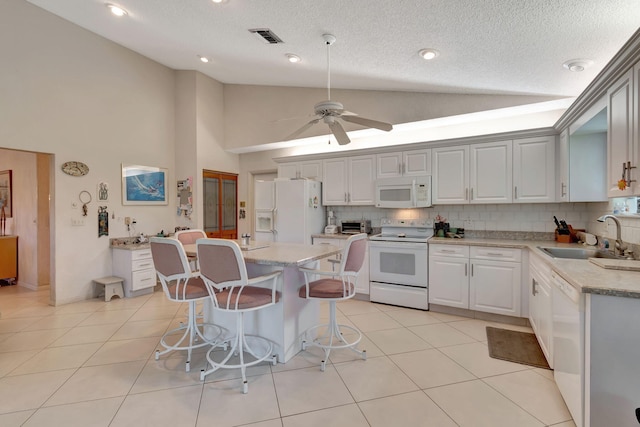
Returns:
(398, 263)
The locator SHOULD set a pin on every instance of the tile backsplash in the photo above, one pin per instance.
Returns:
(526, 217)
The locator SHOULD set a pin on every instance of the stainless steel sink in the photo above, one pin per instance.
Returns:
(578, 253)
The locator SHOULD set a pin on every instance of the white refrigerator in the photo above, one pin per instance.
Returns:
(288, 210)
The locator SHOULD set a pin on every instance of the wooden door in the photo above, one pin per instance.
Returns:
(220, 204)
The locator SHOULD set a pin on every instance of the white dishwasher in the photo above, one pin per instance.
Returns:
(568, 345)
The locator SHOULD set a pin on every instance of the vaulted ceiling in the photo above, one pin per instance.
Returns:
(485, 46)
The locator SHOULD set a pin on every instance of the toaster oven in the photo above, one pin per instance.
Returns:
(357, 226)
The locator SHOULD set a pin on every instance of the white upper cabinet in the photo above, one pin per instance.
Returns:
(534, 170)
(349, 181)
(635, 173)
(478, 173)
(362, 175)
(334, 187)
(620, 134)
(406, 163)
(562, 165)
(450, 184)
(623, 138)
(490, 175)
(311, 169)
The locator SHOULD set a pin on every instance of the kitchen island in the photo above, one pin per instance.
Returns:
(285, 322)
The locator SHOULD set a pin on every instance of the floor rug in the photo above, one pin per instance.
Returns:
(515, 346)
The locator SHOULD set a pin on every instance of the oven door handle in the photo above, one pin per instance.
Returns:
(399, 245)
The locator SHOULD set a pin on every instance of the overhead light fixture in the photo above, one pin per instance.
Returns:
(577, 65)
(203, 59)
(293, 58)
(219, 1)
(117, 10)
(428, 53)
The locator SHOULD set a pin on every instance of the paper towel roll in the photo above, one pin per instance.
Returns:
(587, 238)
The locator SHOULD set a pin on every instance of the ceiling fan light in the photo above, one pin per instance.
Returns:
(577, 65)
(428, 54)
(293, 58)
(117, 10)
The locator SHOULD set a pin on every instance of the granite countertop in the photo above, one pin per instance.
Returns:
(128, 244)
(331, 236)
(582, 274)
(282, 254)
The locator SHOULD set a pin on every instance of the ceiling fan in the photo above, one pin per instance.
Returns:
(331, 112)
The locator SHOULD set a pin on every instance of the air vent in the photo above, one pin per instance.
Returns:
(266, 35)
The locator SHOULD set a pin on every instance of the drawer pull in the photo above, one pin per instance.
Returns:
(448, 251)
(146, 280)
(145, 265)
(494, 254)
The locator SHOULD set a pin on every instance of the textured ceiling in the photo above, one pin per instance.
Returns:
(487, 46)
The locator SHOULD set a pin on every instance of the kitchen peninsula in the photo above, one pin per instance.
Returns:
(284, 322)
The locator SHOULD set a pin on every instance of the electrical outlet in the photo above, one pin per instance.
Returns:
(127, 220)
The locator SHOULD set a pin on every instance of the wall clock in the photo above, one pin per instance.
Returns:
(75, 168)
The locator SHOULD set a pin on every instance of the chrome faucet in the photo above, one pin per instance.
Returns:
(619, 247)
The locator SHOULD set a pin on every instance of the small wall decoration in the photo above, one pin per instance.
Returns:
(85, 199)
(144, 185)
(6, 193)
(185, 197)
(103, 192)
(103, 221)
(75, 168)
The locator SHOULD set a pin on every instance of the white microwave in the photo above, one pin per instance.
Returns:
(404, 192)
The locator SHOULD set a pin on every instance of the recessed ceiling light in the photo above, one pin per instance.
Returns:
(428, 53)
(116, 10)
(293, 58)
(203, 59)
(218, 1)
(577, 65)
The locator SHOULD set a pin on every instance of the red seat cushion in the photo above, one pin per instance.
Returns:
(195, 288)
(251, 297)
(326, 288)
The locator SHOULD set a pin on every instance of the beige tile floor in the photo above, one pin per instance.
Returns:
(92, 364)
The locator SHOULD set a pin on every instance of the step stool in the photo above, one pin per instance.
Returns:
(112, 286)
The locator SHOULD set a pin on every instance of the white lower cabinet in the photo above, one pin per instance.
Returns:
(495, 282)
(478, 278)
(448, 275)
(540, 308)
(136, 268)
(362, 285)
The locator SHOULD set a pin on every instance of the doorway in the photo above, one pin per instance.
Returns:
(32, 181)
(220, 196)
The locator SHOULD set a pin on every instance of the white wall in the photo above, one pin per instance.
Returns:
(253, 114)
(71, 93)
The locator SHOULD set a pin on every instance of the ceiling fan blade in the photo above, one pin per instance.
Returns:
(367, 122)
(302, 129)
(339, 133)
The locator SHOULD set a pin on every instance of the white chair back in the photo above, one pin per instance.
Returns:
(189, 237)
(171, 263)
